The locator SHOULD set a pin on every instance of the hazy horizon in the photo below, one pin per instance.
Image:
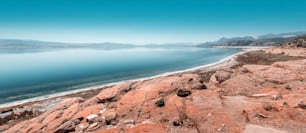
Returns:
(145, 22)
(170, 43)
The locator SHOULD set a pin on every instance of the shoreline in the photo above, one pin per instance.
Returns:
(102, 86)
(241, 83)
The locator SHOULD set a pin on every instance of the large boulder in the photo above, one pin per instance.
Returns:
(222, 76)
(110, 116)
(92, 118)
(93, 109)
(113, 93)
(68, 126)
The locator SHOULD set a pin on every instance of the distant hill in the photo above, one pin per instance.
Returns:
(282, 35)
(33, 44)
(263, 40)
(40, 45)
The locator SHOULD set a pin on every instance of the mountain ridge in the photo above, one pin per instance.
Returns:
(261, 40)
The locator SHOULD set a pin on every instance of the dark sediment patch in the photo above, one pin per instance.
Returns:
(205, 76)
(202, 87)
(160, 103)
(183, 93)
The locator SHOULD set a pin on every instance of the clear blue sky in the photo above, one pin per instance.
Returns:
(147, 21)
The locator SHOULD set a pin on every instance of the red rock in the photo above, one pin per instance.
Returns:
(53, 116)
(68, 126)
(222, 76)
(297, 52)
(110, 115)
(150, 128)
(65, 103)
(93, 109)
(302, 105)
(258, 96)
(17, 128)
(89, 102)
(52, 126)
(93, 127)
(277, 75)
(295, 97)
(92, 118)
(260, 129)
(81, 127)
(71, 111)
(112, 93)
(130, 102)
(167, 85)
(110, 130)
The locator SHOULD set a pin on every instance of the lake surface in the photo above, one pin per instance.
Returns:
(26, 75)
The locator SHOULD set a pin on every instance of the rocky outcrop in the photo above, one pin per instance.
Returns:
(223, 75)
(288, 75)
(113, 93)
(297, 42)
(250, 96)
(288, 52)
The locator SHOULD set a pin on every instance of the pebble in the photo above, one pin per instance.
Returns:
(91, 118)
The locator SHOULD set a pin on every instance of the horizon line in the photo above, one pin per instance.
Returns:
(149, 43)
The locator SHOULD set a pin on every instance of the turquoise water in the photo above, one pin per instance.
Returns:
(26, 75)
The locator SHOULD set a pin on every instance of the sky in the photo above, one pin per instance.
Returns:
(147, 21)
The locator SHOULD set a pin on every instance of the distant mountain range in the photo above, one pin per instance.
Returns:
(33, 44)
(262, 40)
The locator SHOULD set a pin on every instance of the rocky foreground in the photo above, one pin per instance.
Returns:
(261, 91)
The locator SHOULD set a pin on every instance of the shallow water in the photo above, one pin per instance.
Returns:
(26, 75)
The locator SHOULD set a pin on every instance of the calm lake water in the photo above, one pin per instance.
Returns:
(26, 75)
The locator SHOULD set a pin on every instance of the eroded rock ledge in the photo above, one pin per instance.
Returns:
(261, 91)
